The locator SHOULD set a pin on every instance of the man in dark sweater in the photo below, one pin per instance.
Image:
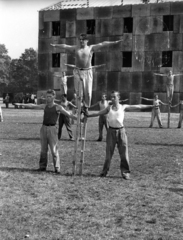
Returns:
(49, 131)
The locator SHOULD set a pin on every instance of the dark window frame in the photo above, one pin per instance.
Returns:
(55, 60)
(128, 25)
(90, 26)
(128, 56)
(168, 22)
(55, 28)
(167, 58)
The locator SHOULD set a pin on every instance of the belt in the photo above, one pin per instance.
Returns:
(49, 125)
(82, 69)
(116, 128)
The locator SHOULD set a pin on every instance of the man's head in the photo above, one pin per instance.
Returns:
(103, 96)
(115, 96)
(155, 96)
(83, 39)
(170, 73)
(63, 74)
(50, 95)
(64, 96)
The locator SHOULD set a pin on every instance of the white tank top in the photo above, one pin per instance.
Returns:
(115, 118)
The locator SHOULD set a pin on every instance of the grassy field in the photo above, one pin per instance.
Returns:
(40, 206)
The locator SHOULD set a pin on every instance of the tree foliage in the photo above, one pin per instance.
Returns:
(5, 61)
(24, 72)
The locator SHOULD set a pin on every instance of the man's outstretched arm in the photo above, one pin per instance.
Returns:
(148, 99)
(63, 46)
(102, 112)
(138, 107)
(160, 74)
(31, 106)
(104, 44)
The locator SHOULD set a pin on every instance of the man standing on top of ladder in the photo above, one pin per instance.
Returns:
(83, 81)
(83, 67)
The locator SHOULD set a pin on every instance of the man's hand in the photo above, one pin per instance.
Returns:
(53, 45)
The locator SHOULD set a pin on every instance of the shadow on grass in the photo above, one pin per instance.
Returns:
(160, 144)
(176, 190)
(20, 139)
(14, 169)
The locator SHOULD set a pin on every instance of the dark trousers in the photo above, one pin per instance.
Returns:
(64, 120)
(48, 136)
(117, 137)
(102, 122)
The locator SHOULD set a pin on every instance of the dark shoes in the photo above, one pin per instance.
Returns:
(41, 169)
(126, 176)
(57, 171)
(99, 139)
(103, 174)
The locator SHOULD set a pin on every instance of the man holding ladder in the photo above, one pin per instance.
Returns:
(83, 81)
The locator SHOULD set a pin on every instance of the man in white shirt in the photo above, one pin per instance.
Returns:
(116, 133)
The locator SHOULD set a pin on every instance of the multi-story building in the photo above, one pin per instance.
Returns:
(152, 42)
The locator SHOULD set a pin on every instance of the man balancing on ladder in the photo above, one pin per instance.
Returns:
(83, 76)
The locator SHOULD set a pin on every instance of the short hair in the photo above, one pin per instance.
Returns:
(51, 91)
(84, 36)
(64, 95)
(113, 92)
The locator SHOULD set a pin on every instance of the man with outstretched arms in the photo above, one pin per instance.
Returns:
(83, 68)
(169, 83)
(116, 133)
(155, 110)
(49, 131)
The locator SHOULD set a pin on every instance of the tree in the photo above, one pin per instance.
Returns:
(5, 61)
(24, 72)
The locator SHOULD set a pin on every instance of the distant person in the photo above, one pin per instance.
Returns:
(63, 82)
(7, 100)
(48, 132)
(169, 83)
(63, 119)
(155, 110)
(102, 104)
(116, 134)
(181, 113)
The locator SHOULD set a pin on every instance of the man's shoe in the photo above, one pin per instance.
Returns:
(57, 171)
(99, 139)
(103, 174)
(41, 169)
(126, 176)
(178, 127)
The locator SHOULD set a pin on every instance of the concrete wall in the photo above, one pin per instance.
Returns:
(147, 41)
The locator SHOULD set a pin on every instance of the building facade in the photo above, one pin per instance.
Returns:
(152, 43)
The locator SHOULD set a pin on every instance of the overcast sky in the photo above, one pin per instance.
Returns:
(19, 22)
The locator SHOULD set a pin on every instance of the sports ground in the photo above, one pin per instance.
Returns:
(39, 206)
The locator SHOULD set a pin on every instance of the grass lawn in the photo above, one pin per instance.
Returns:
(40, 206)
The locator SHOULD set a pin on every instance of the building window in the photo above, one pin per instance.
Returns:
(55, 28)
(127, 59)
(56, 60)
(168, 23)
(128, 25)
(167, 59)
(90, 25)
